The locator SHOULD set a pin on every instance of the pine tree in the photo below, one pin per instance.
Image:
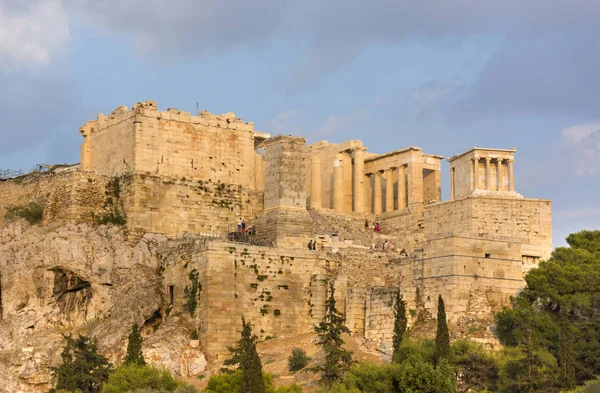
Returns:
(245, 356)
(566, 355)
(400, 324)
(329, 332)
(83, 368)
(442, 337)
(134, 348)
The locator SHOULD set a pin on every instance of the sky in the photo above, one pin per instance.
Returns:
(444, 75)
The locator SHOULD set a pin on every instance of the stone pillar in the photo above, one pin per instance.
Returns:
(500, 175)
(511, 169)
(451, 184)
(475, 173)
(368, 193)
(315, 182)
(401, 187)
(389, 189)
(338, 184)
(359, 180)
(488, 173)
(377, 193)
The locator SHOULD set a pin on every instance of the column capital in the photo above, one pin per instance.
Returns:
(488, 159)
(510, 159)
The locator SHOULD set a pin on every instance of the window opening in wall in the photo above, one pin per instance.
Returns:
(488, 255)
(171, 294)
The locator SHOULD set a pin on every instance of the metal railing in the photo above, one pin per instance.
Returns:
(9, 173)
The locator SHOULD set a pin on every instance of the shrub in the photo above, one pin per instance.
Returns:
(33, 212)
(297, 360)
(131, 377)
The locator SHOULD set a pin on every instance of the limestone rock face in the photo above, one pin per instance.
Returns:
(78, 279)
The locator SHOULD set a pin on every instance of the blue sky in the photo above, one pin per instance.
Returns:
(445, 75)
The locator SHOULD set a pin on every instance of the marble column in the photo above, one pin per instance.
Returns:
(389, 189)
(338, 184)
(359, 178)
(451, 184)
(316, 199)
(500, 175)
(488, 173)
(511, 170)
(377, 193)
(368, 193)
(476, 173)
(401, 187)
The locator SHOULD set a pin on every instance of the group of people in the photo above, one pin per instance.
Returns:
(312, 245)
(241, 225)
(375, 226)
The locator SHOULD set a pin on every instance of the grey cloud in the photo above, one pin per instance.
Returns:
(183, 27)
(34, 110)
(553, 73)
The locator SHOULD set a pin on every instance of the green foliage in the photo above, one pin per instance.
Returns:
(476, 369)
(32, 212)
(410, 377)
(297, 360)
(134, 348)
(192, 293)
(528, 372)
(422, 350)
(400, 325)
(586, 240)
(113, 216)
(83, 368)
(131, 377)
(556, 315)
(329, 336)
(245, 356)
(232, 383)
(442, 336)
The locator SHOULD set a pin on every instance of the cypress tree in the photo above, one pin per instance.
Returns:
(442, 337)
(245, 356)
(567, 355)
(329, 332)
(400, 324)
(83, 368)
(134, 348)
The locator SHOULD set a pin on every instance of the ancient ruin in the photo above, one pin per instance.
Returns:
(180, 183)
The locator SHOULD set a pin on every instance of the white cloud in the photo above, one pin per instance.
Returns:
(577, 132)
(335, 123)
(284, 123)
(31, 34)
(582, 146)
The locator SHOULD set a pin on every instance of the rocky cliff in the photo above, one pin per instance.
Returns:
(79, 279)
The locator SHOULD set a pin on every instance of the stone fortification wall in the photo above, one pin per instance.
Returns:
(170, 206)
(71, 196)
(280, 291)
(370, 314)
(524, 221)
(171, 143)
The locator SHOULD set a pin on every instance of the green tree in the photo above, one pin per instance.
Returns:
(400, 324)
(245, 356)
(297, 360)
(134, 347)
(83, 368)
(134, 376)
(232, 383)
(586, 240)
(476, 369)
(557, 312)
(329, 336)
(408, 377)
(442, 337)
